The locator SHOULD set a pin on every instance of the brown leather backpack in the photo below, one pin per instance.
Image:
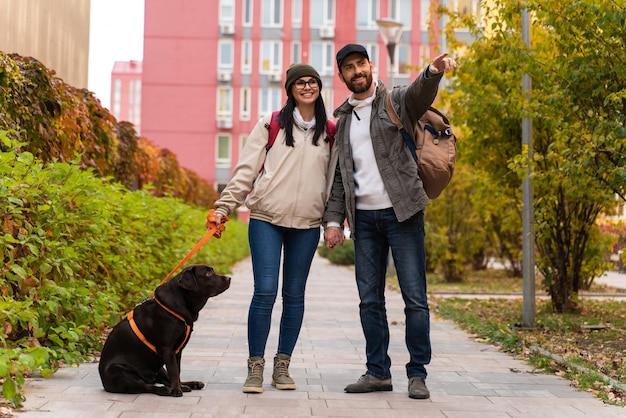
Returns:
(433, 146)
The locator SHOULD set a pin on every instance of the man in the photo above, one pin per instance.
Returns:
(378, 190)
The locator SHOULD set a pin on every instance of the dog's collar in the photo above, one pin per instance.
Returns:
(139, 334)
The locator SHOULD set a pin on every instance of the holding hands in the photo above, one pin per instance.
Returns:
(333, 235)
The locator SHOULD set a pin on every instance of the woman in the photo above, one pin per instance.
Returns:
(285, 189)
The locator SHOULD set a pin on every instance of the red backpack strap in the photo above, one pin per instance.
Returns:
(331, 129)
(273, 128)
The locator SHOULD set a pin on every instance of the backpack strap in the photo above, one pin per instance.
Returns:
(273, 127)
(395, 119)
(331, 130)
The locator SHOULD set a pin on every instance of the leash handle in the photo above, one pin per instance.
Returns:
(214, 230)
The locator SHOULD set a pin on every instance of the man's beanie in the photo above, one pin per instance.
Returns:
(350, 49)
(299, 70)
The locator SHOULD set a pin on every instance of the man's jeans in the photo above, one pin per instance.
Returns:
(376, 231)
(267, 242)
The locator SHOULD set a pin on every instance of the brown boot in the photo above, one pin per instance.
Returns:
(280, 377)
(254, 381)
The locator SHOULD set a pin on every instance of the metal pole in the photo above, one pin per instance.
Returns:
(528, 233)
(391, 49)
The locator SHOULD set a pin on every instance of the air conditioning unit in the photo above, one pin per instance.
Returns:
(224, 123)
(224, 76)
(227, 29)
(275, 77)
(327, 32)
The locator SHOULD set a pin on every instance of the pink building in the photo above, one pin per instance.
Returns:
(126, 92)
(211, 69)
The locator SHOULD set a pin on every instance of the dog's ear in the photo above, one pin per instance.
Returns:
(188, 279)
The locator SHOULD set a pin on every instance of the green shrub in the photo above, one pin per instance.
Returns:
(78, 253)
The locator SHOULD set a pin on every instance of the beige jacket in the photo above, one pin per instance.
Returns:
(287, 187)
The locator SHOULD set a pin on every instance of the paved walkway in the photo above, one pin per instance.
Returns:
(466, 378)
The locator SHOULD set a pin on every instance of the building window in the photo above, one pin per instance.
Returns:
(322, 57)
(322, 13)
(117, 98)
(327, 96)
(243, 138)
(372, 51)
(227, 11)
(223, 151)
(269, 100)
(272, 13)
(226, 55)
(136, 120)
(403, 59)
(271, 56)
(224, 101)
(246, 103)
(296, 13)
(296, 51)
(366, 14)
(425, 15)
(400, 10)
(246, 57)
(247, 13)
(424, 57)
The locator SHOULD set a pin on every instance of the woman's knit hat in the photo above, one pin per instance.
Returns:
(299, 70)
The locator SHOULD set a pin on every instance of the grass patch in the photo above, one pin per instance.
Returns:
(588, 349)
(495, 282)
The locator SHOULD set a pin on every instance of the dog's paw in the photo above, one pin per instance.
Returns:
(167, 391)
(193, 385)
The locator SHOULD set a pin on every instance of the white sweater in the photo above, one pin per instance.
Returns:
(369, 187)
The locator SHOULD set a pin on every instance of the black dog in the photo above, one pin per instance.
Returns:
(155, 333)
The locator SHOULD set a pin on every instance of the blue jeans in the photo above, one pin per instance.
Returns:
(375, 232)
(267, 243)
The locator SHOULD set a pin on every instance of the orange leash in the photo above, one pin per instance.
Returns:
(214, 230)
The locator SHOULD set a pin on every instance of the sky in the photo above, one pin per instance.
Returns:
(115, 34)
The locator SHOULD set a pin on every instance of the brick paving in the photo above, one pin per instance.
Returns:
(466, 378)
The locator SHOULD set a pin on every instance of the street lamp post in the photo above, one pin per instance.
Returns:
(390, 30)
(528, 238)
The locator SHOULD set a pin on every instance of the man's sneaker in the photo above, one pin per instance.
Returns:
(254, 381)
(369, 383)
(418, 389)
(280, 377)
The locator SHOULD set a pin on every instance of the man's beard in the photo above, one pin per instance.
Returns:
(360, 89)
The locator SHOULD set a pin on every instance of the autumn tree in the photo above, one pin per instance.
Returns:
(577, 64)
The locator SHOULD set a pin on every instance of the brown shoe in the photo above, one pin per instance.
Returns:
(418, 389)
(254, 381)
(369, 383)
(281, 379)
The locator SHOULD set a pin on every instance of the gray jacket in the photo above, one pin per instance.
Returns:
(393, 158)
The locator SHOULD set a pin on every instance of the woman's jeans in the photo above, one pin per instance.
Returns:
(267, 243)
(376, 231)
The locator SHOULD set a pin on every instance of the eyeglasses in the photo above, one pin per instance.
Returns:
(301, 83)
